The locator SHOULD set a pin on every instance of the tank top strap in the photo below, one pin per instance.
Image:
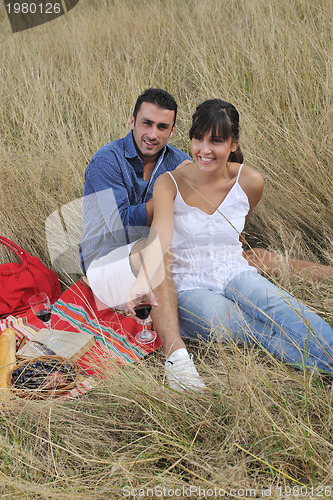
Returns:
(239, 171)
(174, 180)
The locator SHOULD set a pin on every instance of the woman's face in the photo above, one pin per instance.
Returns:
(211, 153)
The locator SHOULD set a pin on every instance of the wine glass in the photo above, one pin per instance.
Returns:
(40, 304)
(142, 311)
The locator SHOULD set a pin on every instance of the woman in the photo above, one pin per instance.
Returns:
(201, 210)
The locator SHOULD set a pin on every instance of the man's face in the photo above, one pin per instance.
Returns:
(151, 129)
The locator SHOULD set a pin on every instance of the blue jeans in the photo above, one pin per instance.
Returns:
(252, 309)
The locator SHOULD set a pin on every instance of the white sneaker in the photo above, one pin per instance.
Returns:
(181, 372)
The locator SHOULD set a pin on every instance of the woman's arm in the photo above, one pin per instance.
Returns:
(252, 183)
(151, 270)
(271, 263)
(163, 197)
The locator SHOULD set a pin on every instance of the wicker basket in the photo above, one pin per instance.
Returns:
(48, 388)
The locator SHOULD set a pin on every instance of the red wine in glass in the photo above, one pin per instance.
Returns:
(44, 315)
(40, 304)
(142, 311)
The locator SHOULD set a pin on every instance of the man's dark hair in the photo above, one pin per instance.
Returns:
(159, 97)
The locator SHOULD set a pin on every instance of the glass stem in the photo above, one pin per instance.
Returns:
(48, 325)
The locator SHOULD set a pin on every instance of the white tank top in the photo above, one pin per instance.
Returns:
(207, 250)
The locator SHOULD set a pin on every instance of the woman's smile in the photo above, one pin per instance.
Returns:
(211, 152)
(205, 159)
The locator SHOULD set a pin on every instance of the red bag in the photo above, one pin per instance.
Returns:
(18, 281)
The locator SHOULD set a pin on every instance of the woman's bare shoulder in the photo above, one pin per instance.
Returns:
(251, 174)
(247, 173)
(183, 174)
(164, 182)
(249, 177)
(252, 182)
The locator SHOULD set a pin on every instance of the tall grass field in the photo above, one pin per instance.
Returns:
(261, 429)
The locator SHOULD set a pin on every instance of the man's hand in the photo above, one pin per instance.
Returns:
(185, 162)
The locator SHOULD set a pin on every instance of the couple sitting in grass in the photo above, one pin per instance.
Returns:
(157, 224)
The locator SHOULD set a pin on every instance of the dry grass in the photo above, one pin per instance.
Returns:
(68, 87)
(258, 425)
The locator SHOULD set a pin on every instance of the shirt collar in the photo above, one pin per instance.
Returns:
(130, 151)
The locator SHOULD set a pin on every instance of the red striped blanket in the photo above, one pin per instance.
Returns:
(77, 310)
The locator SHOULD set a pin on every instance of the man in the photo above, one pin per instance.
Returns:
(117, 210)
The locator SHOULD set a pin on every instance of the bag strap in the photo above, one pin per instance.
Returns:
(12, 246)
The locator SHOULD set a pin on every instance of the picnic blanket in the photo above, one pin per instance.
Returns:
(114, 332)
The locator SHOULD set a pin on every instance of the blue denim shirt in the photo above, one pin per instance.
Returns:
(115, 195)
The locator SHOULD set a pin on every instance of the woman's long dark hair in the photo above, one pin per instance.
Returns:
(221, 119)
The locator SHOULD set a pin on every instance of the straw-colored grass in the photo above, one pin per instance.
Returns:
(67, 88)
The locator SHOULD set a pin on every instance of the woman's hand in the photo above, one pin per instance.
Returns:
(138, 291)
(185, 162)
